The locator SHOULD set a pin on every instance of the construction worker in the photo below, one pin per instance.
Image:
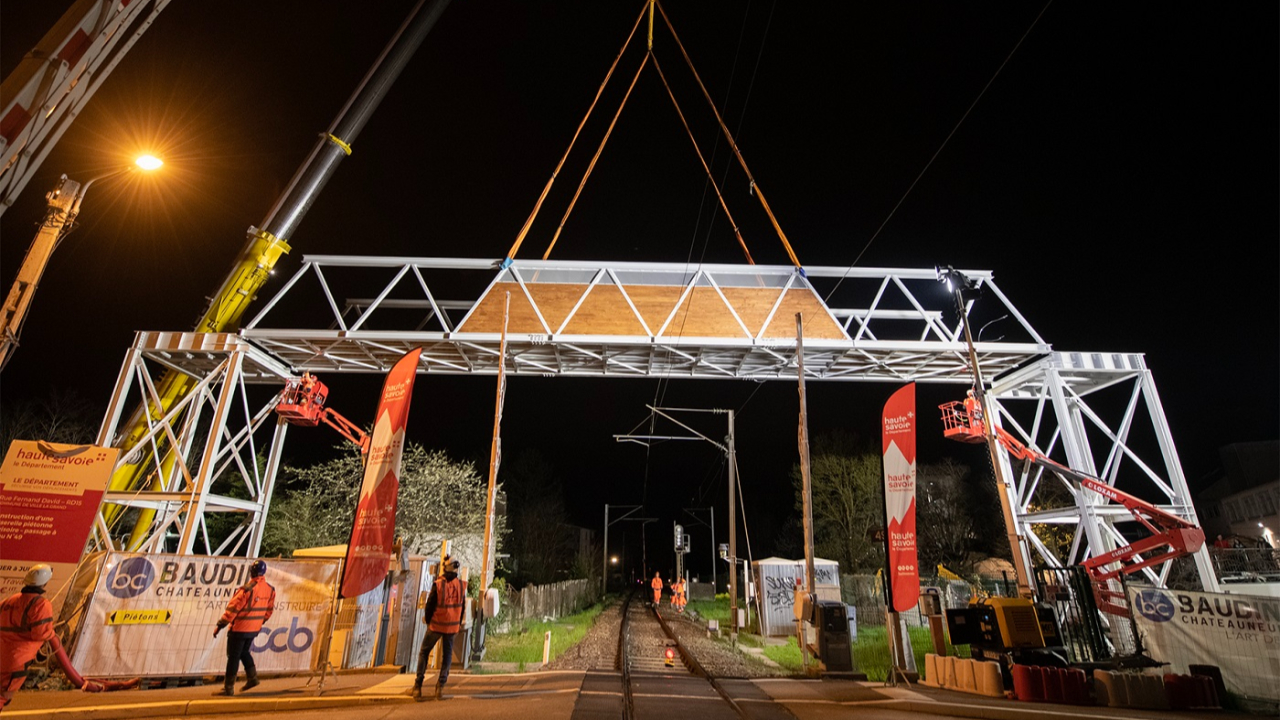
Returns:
(443, 616)
(26, 623)
(678, 597)
(656, 584)
(974, 409)
(250, 607)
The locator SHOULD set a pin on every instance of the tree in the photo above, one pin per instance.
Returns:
(945, 528)
(541, 543)
(847, 505)
(439, 498)
(62, 417)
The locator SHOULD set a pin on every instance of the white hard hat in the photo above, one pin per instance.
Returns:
(38, 575)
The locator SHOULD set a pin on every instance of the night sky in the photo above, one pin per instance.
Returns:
(1119, 176)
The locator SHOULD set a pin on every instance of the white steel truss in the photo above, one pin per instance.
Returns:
(1050, 405)
(898, 331)
(211, 459)
(881, 324)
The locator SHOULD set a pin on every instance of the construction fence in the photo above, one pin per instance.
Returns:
(534, 603)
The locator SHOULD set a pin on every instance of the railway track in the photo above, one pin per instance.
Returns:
(660, 677)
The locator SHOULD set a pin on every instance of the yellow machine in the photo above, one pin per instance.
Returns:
(1008, 629)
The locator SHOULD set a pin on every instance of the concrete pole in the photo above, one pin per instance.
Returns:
(713, 552)
(733, 537)
(604, 554)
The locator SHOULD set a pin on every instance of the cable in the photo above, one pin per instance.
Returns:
(938, 152)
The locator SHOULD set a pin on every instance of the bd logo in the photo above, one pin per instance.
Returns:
(131, 577)
(1154, 605)
(290, 639)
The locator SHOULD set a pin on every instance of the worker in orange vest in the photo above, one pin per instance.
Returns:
(250, 607)
(26, 623)
(974, 409)
(443, 616)
(678, 598)
(656, 584)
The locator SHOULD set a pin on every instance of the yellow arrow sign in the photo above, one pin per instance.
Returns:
(140, 617)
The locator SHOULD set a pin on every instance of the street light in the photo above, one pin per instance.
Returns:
(960, 286)
(59, 219)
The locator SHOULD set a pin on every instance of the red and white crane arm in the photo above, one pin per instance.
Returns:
(1171, 536)
(48, 89)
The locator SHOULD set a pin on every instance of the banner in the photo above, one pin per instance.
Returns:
(1238, 633)
(899, 434)
(373, 532)
(154, 615)
(49, 497)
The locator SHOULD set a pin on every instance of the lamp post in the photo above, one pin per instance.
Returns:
(604, 551)
(59, 219)
(958, 284)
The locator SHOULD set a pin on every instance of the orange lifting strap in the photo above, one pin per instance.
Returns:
(538, 205)
(729, 136)
(649, 8)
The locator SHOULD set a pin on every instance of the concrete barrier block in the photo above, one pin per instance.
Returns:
(930, 670)
(1147, 691)
(1111, 688)
(966, 681)
(990, 682)
(949, 672)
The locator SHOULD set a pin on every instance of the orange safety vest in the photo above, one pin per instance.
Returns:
(251, 606)
(656, 584)
(26, 623)
(451, 596)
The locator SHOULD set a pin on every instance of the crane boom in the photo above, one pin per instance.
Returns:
(1171, 536)
(64, 203)
(48, 89)
(264, 248)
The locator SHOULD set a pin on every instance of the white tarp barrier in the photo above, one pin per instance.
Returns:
(154, 615)
(777, 579)
(1238, 633)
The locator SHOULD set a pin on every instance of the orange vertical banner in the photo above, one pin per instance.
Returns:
(899, 435)
(374, 530)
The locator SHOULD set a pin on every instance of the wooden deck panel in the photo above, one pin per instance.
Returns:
(605, 311)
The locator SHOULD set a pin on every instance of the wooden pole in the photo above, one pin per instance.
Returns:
(495, 456)
(806, 482)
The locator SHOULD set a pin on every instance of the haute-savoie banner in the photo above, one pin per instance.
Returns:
(373, 533)
(899, 434)
(49, 497)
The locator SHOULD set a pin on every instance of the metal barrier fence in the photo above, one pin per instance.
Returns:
(1242, 563)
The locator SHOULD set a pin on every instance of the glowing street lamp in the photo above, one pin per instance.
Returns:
(64, 206)
(148, 162)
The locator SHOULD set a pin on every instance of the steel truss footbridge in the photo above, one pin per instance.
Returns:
(213, 456)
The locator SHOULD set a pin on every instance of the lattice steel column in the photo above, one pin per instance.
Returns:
(199, 449)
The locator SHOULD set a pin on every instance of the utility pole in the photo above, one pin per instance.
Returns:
(733, 535)
(957, 283)
(730, 451)
(712, 526)
(806, 484)
(604, 559)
